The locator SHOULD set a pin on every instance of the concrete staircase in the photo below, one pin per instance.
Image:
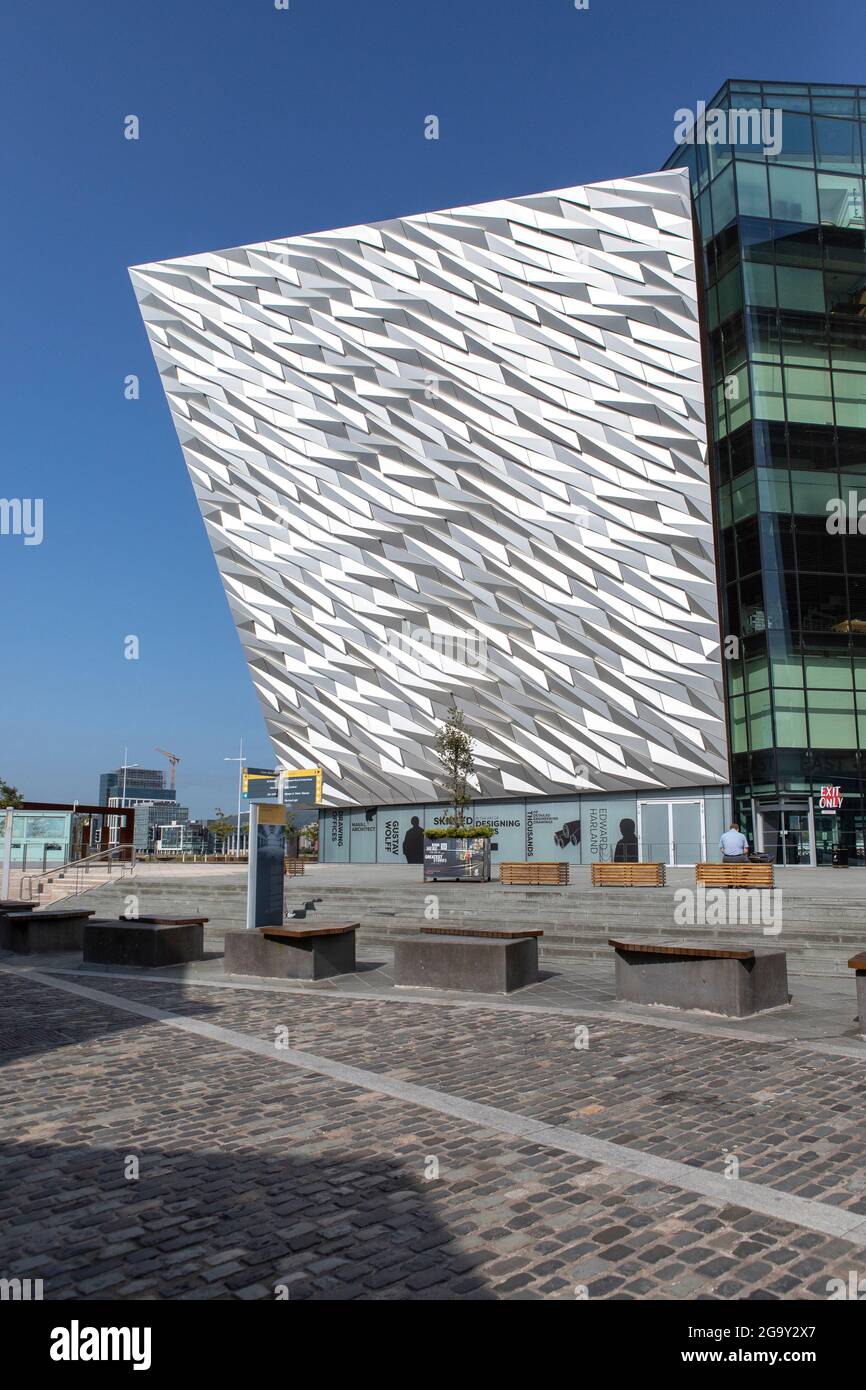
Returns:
(820, 929)
(55, 886)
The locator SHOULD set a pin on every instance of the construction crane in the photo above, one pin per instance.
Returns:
(174, 760)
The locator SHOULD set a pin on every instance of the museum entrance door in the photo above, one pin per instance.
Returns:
(671, 832)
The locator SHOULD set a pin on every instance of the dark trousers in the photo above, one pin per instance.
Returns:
(735, 859)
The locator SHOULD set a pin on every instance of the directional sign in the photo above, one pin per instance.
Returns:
(302, 787)
(260, 783)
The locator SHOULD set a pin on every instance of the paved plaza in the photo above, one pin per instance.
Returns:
(183, 1135)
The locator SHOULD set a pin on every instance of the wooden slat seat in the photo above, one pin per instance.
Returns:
(606, 875)
(318, 928)
(489, 933)
(52, 915)
(858, 962)
(698, 949)
(534, 873)
(734, 875)
(165, 921)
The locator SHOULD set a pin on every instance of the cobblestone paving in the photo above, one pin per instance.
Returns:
(793, 1118)
(253, 1176)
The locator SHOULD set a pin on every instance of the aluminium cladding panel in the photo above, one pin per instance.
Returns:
(462, 452)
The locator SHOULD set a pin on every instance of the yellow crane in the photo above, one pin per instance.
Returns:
(174, 760)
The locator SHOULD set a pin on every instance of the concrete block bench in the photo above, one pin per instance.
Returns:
(147, 942)
(296, 952)
(54, 930)
(858, 963)
(717, 977)
(484, 962)
(606, 875)
(8, 905)
(735, 875)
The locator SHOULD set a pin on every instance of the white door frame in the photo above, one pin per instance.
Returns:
(674, 801)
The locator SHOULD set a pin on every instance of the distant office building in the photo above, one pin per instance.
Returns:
(150, 816)
(182, 837)
(142, 784)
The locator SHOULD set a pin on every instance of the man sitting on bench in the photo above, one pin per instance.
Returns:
(734, 846)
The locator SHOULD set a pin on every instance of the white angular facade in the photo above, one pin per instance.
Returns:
(462, 453)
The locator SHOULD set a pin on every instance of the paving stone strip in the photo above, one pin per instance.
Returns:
(805, 1212)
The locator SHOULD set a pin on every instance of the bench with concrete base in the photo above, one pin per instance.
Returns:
(148, 942)
(735, 875)
(466, 958)
(716, 977)
(54, 930)
(858, 964)
(606, 875)
(303, 952)
(8, 905)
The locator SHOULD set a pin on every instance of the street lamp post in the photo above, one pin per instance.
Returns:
(125, 766)
(240, 760)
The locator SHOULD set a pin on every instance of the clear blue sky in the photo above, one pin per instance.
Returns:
(255, 124)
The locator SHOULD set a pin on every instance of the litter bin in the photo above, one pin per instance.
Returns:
(840, 858)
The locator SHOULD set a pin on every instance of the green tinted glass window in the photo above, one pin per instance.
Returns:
(793, 196)
(808, 396)
(812, 491)
(831, 719)
(774, 488)
(752, 189)
(849, 390)
(801, 290)
(837, 145)
(828, 672)
(796, 136)
(739, 739)
(790, 718)
(840, 200)
(760, 283)
(767, 386)
(722, 194)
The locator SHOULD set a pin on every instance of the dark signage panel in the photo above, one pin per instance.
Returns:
(465, 860)
(300, 791)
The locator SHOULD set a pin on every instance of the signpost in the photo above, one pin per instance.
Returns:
(266, 865)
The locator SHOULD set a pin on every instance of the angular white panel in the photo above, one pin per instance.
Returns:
(485, 424)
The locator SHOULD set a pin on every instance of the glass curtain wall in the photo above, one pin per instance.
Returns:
(784, 293)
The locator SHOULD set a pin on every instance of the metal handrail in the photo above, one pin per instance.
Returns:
(121, 856)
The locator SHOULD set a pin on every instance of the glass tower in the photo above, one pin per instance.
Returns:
(777, 184)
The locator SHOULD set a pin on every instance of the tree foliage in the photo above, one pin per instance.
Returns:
(455, 751)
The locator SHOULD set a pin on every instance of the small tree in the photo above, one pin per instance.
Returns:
(9, 796)
(454, 749)
(222, 827)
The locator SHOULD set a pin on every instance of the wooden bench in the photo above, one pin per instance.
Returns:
(734, 875)
(54, 930)
(482, 960)
(628, 875)
(297, 951)
(717, 977)
(858, 964)
(166, 921)
(294, 868)
(534, 873)
(144, 942)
